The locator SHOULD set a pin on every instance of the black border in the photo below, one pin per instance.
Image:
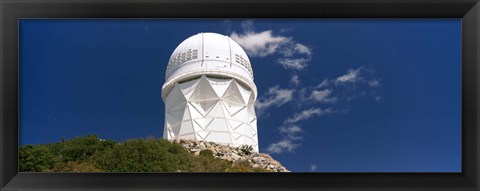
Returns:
(12, 10)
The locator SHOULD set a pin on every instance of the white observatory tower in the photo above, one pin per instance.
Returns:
(209, 92)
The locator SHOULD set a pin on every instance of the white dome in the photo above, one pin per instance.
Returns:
(208, 47)
(210, 54)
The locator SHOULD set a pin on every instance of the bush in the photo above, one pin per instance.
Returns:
(81, 148)
(35, 158)
(72, 166)
(246, 149)
(206, 153)
(90, 154)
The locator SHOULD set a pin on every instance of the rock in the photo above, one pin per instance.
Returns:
(195, 150)
(235, 157)
(225, 152)
(258, 159)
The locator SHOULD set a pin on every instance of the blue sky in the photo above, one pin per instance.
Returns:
(335, 95)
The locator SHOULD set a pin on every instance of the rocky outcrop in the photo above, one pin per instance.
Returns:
(234, 154)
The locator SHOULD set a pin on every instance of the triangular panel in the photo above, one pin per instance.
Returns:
(216, 111)
(245, 94)
(187, 88)
(175, 99)
(202, 135)
(234, 124)
(218, 125)
(186, 114)
(173, 117)
(198, 109)
(207, 105)
(233, 110)
(197, 127)
(201, 123)
(186, 128)
(232, 95)
(176, 129)
(203, 91)
(194, 112)
(219, 85)
(242, 115)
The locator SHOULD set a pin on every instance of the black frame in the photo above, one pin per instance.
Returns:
(12, 10)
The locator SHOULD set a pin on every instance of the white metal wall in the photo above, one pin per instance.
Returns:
(211, 109)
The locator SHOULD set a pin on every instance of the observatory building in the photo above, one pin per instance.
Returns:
(209, 92)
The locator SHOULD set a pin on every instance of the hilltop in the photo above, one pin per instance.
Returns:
(234, 154)
(91, 154)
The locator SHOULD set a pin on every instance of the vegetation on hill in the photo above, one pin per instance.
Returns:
(91, 154)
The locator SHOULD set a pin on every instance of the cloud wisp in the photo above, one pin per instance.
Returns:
(282, 146)
(327, 93)
(306, 114)
(354, 76)
(259, 44)
(358, 77)
(322, 96)
(351, 76)
(291, 131)
(295, 80)
(321, 99)
(293, 55)
(294, 63)
(374, 83)
(275, 96)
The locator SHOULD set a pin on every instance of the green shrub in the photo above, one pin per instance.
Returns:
(90, 154)
(206, 153)
(35, 158)
(72, 166)
(246, 149)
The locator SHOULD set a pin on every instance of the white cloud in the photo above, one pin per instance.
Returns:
(374, 83)
(259, 44)
(284, 145)
(290, 48)
(300, 48)
(323, 84)
(294, 63)
(291, 132)
(351, 76)
(274, 97)
(313, 167)
(291, 129)
(322, 96)
(247, 25)
(295, 80)
(306, 114)
(357, 75)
